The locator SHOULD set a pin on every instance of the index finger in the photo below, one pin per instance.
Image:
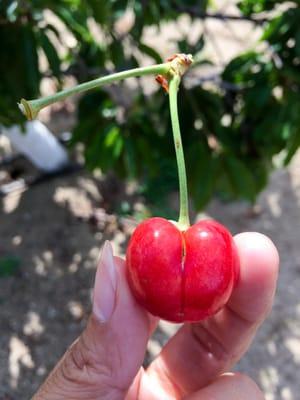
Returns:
(198, 353)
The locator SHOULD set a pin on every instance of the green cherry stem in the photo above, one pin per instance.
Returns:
(170, 71)
(31, 108)
(184, 221)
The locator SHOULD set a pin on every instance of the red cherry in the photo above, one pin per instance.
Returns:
(178, 275)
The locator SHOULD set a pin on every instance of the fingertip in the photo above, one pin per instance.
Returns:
(230, 386)
(255, 244)
(258, 256)
(259, 263)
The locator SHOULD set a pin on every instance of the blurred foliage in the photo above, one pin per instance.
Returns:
(231, 131)
(9, 265)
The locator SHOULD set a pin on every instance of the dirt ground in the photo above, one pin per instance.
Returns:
(57, 228)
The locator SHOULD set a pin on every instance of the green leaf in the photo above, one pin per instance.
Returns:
(11, 11)
(100, 10)
(54, 30)
(113, 141)
(272, 28)
(105, 148)
(186, 47)
(50, 53)
(78, 28)
(297, 46)
(130, 158)
(202, 170)
(249, 7)
(240, 177)
(149, 51)
(293, 146)
(117, 53)
(93, 156)
(31, 64)
(9, 265)
(205, 186)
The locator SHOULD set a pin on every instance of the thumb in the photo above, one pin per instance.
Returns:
(104, 360)
(230, 386)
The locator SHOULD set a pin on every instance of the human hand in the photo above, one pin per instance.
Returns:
(105, 361)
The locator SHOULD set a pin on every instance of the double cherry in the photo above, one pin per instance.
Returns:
(182, 276)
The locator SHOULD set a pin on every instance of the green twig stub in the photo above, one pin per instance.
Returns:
(27, 110)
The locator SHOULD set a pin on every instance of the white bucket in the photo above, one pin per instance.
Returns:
(38, 144)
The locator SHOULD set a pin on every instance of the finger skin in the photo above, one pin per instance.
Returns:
(200, 352)
(103, 361)
(230, 387)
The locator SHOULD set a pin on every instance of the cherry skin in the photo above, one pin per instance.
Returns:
(181, 276)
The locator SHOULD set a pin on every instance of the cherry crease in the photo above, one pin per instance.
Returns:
(181, 276)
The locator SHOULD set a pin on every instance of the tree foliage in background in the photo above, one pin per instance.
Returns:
(231, 130)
